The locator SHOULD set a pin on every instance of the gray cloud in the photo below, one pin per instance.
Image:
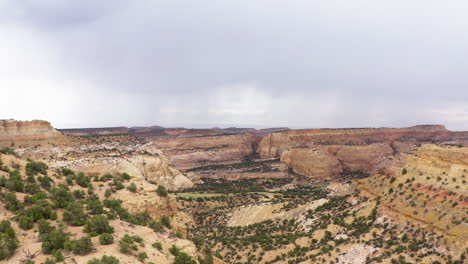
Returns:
(257, 63)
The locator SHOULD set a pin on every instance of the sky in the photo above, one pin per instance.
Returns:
(255, 63)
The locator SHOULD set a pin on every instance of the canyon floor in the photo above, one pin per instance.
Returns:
(235, 195)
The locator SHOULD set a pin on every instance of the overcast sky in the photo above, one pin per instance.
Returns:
(262, 63)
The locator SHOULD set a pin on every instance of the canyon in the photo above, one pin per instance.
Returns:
(323, 195)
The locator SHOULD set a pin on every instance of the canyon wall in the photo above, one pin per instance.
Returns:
(14, 132)
(330, 153)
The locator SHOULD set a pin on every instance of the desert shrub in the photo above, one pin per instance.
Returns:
(83, 246)
(161, 191)
(11, 202)
(15, 183)
(125, 176)
(127, 244)
(108, 193)
(104, 260)
(8, 241)
(33, 168)
(44, 227)
(404, 171)
(59, 257)
(61, 196)
(136, 219)
(157, 245)
(83, 180)
(45, 181)
(157, 226)
(142, 256)
(74, 214)
(25, 222)
(166, 221)
(49, 261)
(97, 225)
(95, 206)
(184, 258)
(40, 210)
(132, 187)
(67, 172)
(54, 240)
(174, 250)
(32, 188)
(79, 194)
(106, 239)
(8, 150)
(106, 177)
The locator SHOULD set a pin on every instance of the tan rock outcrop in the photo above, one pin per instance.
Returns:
(312, 162)
(141, 161)
(27, 132)
(329, 161)
(190, 152)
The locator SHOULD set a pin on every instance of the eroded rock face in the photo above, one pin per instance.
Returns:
(327, 153)
(327, 162)
(190, 152)
(273, 145)
(141, 161)
(27, 132)
(312, 162)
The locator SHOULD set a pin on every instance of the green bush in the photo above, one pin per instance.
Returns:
(104, 260)
(95, 206)
(161, 191)
(15, 182)
(142, 256)
(67, 172)
(98, 224)
(7, 150)
(166, 221)
(8, 241)
(157, 245)
(106, 239)
(83, 180)
(126, 245)
(74, 214)
(61, 196)
(83, 246)
(184, 258)
(33, 168)
(25, 222)
(11, 202)
(54, 240)
(132, 187)
(44, 227)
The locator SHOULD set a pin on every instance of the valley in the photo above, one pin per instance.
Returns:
(234, 195)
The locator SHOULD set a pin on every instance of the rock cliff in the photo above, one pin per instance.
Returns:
(14, 132)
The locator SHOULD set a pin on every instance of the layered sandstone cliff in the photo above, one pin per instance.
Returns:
(326, 162)
(273, 145)
(14, 132)
(190, 152)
